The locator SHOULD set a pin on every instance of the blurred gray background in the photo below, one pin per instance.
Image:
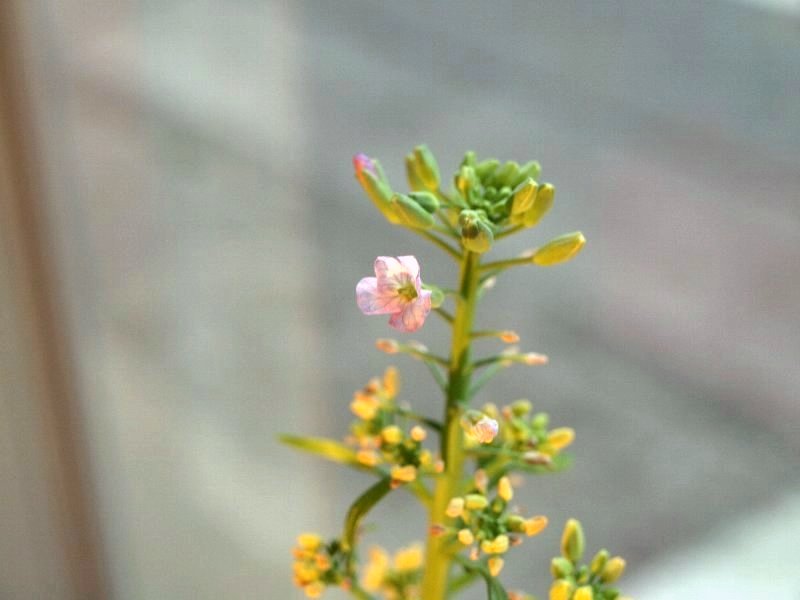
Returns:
(209, 235)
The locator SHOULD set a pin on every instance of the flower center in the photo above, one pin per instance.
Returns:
(407, 291)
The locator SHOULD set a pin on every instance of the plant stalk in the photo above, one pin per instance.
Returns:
(437, 562)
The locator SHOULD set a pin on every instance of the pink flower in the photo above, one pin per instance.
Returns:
(395, 290)
(485, 430)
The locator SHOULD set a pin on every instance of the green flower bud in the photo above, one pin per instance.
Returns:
(613, 570)
(507, 174)
(524, 196)
(411, 213)
(572, 541)
(611, 594)
(426, 200)
(466, 182)
(561, 568)
(378, 191)
(414, 180)
(485, 168)
(426, 167)
(599, 561)
(520, 408)
(475, 502)
(560, 249)
(469, 159)
(540, 420)
(476, 235)
(515, 523)
(530, 169)
(437, 295)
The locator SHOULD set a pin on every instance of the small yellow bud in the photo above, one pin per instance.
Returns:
(613, 570)
(304, 572)
(509, 337)
(323, 562)
(465, 537)
(475, 502)
(504, 489)
(388, 346)
(418, 434)
(408, 559)
(455, 508)
(561, 590)
(599, 562)
(495, 565)
(425, 458)
(392, 434)
(584, 593)
(498, 545)
(364, 406)
(368, 458)
(405, 474)
(309, 541)
(535, 525)
(533, 359)
(560, 249)
(375, 569)
(572, 541)
(560, 438)
(490, 410)
(314, 590)
(391, 382)
(560, 567)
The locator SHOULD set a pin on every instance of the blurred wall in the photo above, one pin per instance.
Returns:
(209, 234)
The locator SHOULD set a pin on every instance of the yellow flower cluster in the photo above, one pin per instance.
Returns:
(486, 525)
(527, 433)
(573, 581)
(380, 440)
(318, 565)
(398, 577)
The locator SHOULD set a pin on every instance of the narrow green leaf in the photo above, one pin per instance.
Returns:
(360, 508)
(330, 449)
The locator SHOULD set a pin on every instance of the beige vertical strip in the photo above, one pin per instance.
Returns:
(48, 538)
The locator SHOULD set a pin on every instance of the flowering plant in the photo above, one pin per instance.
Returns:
(466, 481)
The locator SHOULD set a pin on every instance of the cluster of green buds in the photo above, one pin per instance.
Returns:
(488, 200)
(576, 581)
(523, 439)
(318, 565)
(486, 524)
(398, 577)
(377, 434)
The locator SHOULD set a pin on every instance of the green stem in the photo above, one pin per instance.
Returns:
(437, 563)
(499, 265)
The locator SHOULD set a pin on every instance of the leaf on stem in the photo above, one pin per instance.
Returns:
(360, 508)
(330, 449)
(494, 589)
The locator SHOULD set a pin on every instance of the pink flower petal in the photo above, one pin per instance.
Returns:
(413, 315)
(372, 300)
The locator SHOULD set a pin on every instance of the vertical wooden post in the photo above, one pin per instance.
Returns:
(48, 531)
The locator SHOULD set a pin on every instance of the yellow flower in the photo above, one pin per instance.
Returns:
(504, 489)
(455, 508)
(465, 537)
(584, 593)
(613, 569)
(364, 406)
(495, 565)
(560, 438)
(405, 474)
(418, 434)
(309, 541)
(376, 569)
(314, 590)
(408, 559)
(368, 458)
(560, 590)
(534, 525)
(391, 382)
(496, 546)
(392, 434)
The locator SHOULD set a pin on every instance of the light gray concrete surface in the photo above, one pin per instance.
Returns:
(211, 234)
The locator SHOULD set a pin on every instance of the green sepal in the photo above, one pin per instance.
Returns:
(410, 213)
(426, 200)
(476, 235)
(426, 167)
(378, 190)
(530, 169)
(414, 181)
(486, 167)
(466, 181)
(541, 205)
(329, 449)
(437, 295)
(360, 508)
